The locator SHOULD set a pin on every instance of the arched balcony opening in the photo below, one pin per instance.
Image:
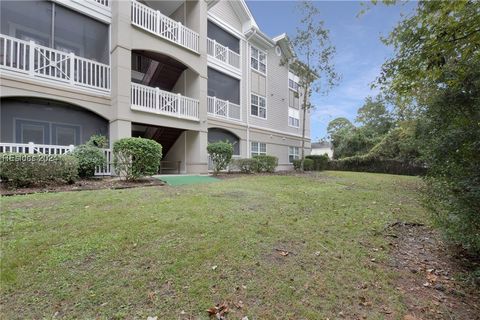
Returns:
(164, 85)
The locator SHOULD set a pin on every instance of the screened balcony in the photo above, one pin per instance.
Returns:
(45, 41)
(223, 96)
(222, 46)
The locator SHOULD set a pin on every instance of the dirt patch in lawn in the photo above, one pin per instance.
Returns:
(90, 184)
(428, 275)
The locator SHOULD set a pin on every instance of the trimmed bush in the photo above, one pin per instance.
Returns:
(221, 153)
(320, 162)
(308, 164)
(266, 163)
(37, 170)
(248, 165)
(88, 157)
(134, 158)
(98, 141)
(368, 163)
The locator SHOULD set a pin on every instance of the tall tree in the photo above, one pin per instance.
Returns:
(313, 60)
(375, 116)
(435, 72)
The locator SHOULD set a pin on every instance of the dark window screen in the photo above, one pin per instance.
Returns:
(223, 37)
(223, 86)
(215, 135)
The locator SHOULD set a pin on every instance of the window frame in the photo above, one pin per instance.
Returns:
(258, 147)
(257, 59)
(257, 105)
(295, 154)
(297, 119)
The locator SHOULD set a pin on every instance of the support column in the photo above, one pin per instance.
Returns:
(119, 129)
(196, 148)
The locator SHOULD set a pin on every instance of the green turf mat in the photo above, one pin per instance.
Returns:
(185, 180)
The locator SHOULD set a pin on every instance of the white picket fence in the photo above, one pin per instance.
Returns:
(159, 24)
(222, 53)
(223, 108)
(158, 101)
(36, 61)
(33, 148)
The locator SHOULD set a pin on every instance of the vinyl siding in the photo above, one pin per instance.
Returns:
(224, 11)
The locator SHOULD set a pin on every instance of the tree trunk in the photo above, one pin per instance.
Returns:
(302, 161)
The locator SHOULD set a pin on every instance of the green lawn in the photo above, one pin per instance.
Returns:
(173, 252)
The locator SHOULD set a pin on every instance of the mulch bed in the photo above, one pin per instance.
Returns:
(429, 272)
(89, 184)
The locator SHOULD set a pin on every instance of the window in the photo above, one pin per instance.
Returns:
(33, 132)
(258, 148)
(293, 153)
(65, 135)
(293, 118)
(293, 81)
(258, 60)
(258, 106)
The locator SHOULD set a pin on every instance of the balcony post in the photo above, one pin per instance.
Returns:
(31, 59)
(157, 20)
(72, 68)
(31, 146)
(157, 99)
(227, 55)
(215, 48)
(180, 33)
(228, 109)
(179, 99)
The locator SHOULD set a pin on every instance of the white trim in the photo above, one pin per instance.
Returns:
(224, 68)
(225, 26)
(88, 8)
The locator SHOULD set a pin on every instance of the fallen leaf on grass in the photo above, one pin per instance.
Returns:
(238, 304)
(218, 311)
(283, 253)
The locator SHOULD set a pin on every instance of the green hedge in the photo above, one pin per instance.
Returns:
(266, 163)
(257, 164)
(36, 170)
(88, 157)
(308, 164)
(368, 163)
(320, 162)
(134, 158)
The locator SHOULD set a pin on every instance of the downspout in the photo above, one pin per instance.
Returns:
(249, 89)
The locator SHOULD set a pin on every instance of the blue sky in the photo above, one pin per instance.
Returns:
(360, 52)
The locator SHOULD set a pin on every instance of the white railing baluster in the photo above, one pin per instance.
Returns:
(155, 100)
(161, 25)
(43, 62)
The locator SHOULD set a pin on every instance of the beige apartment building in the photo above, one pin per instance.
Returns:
(184, 73)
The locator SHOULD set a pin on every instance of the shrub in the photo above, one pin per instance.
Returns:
(248, 165)
(320, 162)
(29, 170)
(221, 154)
(88, 157)
(368, 163)
(266, 163)
(98, 141)
(134, 158)
(308, 164)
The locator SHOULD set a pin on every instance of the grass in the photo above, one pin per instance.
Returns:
(174, 252)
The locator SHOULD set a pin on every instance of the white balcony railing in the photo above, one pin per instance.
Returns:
(41, 62)
(154, 100)
(33, 148)
(222, 53)
(223, 108)
(164, 27)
